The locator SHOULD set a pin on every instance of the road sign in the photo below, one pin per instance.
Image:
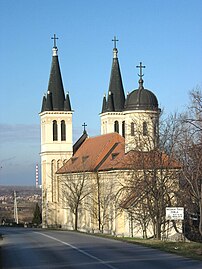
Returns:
(174, 213)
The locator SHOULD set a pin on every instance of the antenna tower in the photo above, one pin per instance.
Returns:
(15, 209)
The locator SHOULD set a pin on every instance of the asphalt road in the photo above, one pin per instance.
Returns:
(43, 249)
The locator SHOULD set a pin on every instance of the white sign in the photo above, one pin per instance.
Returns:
(174, 213)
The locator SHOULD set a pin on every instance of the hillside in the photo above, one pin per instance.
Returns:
(26, 196)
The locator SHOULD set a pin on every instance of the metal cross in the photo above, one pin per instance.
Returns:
(140, 66)
(84, 127)
(115, 40)
(55, 38)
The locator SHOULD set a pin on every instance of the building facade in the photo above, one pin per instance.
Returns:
(84, 185)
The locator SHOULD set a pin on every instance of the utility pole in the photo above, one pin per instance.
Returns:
(37, 176)
(15, 208)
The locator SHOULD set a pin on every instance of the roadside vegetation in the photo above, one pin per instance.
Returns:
(187, 249)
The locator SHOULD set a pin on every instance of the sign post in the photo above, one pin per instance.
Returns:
(175, 213)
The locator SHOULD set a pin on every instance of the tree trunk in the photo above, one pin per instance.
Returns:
(98, 199)
(200, 206)
(76, 219)
(157, 229)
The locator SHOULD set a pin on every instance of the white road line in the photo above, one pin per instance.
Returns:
(79, 250)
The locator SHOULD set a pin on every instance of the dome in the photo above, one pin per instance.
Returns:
(141, 99)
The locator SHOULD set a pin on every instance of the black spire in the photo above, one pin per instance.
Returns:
(67, 104)
(55, 85)
(116, 90)
(104, 104)
(49, 102)
(43, 107)
(110, 102)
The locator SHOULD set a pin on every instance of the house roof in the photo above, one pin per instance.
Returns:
(107, 152)
(80, 141)
(94, 151)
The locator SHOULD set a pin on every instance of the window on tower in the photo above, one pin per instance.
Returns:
(123, 128)
(63, 131)
(145, 130)
(53, 178)
(132, 131)
(55, 131)
(155, 129)
(116, 126)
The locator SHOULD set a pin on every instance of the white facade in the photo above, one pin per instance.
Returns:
(108, 122)
(139, 127)
(55, 151)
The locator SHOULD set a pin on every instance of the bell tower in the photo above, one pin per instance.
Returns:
(136, 116)
(56, 141)
(142, 118)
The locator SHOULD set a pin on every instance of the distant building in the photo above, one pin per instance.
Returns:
(100, 167)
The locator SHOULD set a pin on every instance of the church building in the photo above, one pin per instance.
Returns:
(87, 186)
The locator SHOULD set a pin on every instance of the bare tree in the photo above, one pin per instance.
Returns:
(139, 218)
(75, 188)
(103, 202)
(190, 154)
(194, 114)
(154, 177)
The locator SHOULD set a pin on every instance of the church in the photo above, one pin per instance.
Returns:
(96, 184)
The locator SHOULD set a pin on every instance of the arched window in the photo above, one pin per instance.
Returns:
(145, 131)
(116, 126)
(63, 131)
(53, 170)
(59, 164)
(123, 128)
(132, 129)
(155, 129)
(55, 131)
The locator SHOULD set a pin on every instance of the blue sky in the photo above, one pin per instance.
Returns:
(164, 34)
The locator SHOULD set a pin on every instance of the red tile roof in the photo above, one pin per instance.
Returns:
(107, 152)
(92, 153)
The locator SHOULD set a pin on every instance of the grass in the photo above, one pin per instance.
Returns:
(187, 249)
(191, 250)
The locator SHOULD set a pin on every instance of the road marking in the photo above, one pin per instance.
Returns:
(79, 250)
